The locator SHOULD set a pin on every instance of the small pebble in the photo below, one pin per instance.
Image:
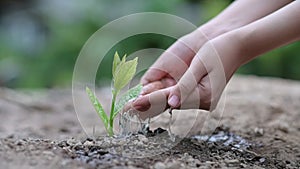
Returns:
(232, 161)
(261, 160)
(71, 141)
(159, 165)
(242, 165)
(88, 143)
(283, 127)
(209, 162)
(259, 131)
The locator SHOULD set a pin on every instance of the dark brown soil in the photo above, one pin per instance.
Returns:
(259, 129)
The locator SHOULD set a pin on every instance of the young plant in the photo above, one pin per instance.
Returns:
(123, 72)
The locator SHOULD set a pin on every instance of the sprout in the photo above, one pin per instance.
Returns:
(123, 71)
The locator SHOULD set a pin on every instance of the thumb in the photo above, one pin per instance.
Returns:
(188, 83)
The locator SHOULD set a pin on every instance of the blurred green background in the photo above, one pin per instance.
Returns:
(40, 40)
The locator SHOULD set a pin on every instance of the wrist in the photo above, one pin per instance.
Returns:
(215, 28)
(229, 49)
(205, 33)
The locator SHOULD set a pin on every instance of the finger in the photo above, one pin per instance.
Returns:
(200, 98)
(151, 87)
(180, 53)
(143, 103)
(157, 85)
(155, 73)
(173, 66)
(168, 82)
(152, 104)
(205, 70)
(188, 83)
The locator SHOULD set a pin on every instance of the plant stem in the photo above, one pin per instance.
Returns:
(112, 109)
(110, 131)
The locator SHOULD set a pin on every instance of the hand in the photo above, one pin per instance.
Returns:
(163, 74)
(208, 73)
(172, 64)
(202, 83)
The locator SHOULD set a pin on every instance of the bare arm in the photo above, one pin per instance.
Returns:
(234, 34)
(240, 13)
(275, 30)
(234, 49)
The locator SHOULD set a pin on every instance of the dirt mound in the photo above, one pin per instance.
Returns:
(40, 129)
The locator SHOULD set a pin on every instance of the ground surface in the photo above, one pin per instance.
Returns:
(259, 128)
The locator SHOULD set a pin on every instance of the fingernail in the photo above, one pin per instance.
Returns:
(140, 104)
(135, 105)
(141, 108)
(138, 108)
(173, 101)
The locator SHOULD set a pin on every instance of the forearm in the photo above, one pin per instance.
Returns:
(275, 30)
(242, 45)
(238, 14)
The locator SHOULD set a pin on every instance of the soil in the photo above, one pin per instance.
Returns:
(259, 128)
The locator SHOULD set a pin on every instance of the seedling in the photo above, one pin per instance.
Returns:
(123, 72)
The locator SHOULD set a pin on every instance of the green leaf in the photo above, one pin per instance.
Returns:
(98, 107)
(124, 58)
(124, 73)
(130, 94)
(116, 62)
